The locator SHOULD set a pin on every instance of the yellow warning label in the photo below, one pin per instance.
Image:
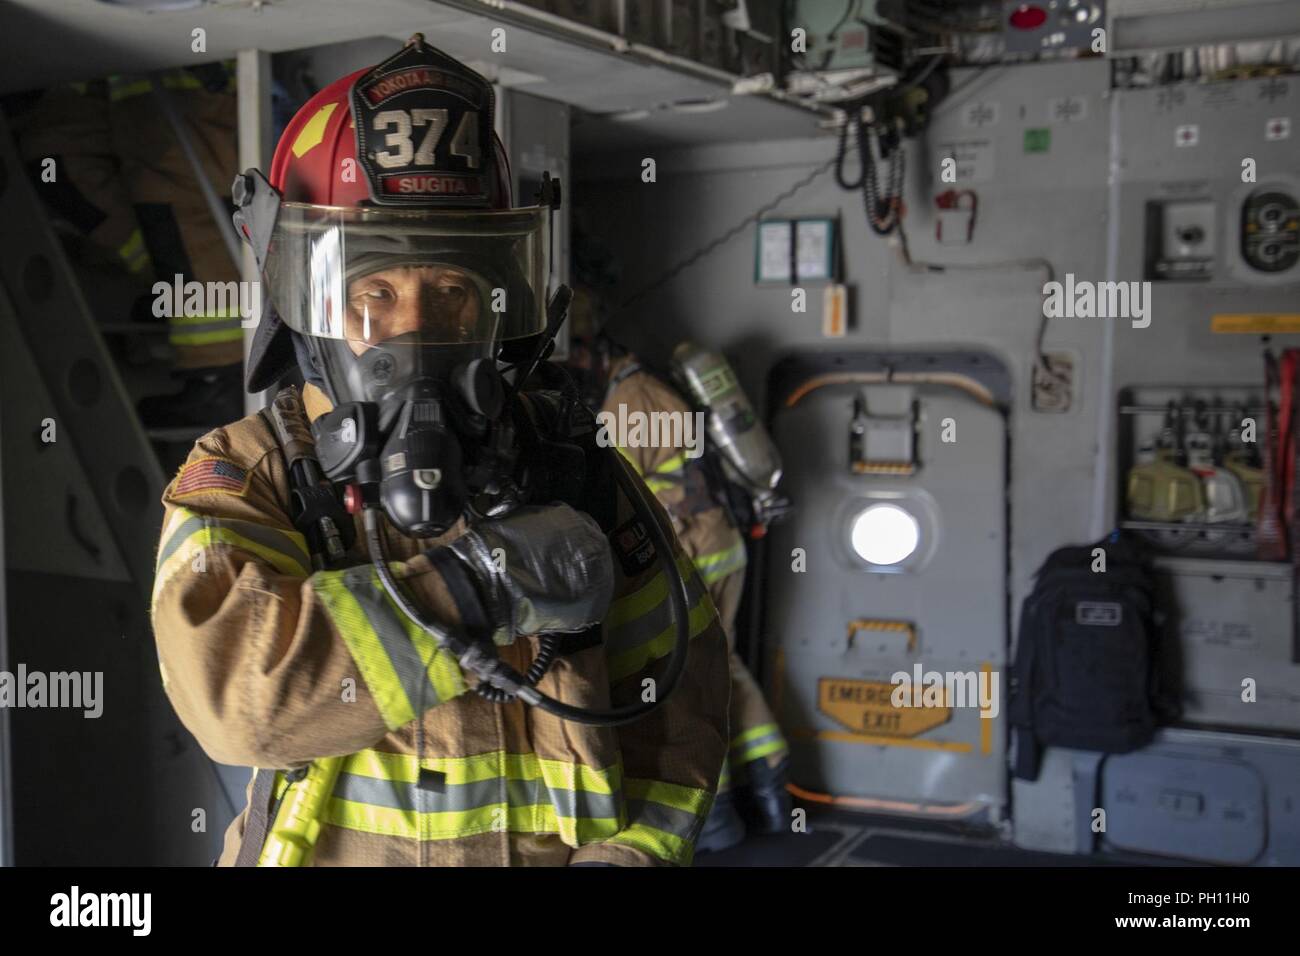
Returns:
(1256, 323)
(865, 707)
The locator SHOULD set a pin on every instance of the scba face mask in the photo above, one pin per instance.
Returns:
(402, 314)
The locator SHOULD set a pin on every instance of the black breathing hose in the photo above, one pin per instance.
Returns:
(502, 680)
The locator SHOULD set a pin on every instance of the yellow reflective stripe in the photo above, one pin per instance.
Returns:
(625, 663)
(679, 797)
(647, 597)
(405, 669)
(206, 338)
(457, 824)
(222, 535)
(367, 651)
(188, 532)
(720, 564)
(672, 466)
(630, 662)
(133, 252)
(657, 843)
(664, 818)
(762, 730)
(123, 87)
(121, 90)
(446, 676)
(223, 325)
(495, 791)
(285, 550)
(444, 672)
(410, 824)
(762, 750)
(405, 768)
(756, 742)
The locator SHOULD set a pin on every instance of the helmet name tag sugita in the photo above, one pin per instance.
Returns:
(435, 183)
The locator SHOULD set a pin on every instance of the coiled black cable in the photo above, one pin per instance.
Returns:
(882, 213)
(548, 648)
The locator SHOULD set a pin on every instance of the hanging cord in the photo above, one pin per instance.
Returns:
(547, 650)
(704, 250)
(883, 212)
(1038, 263)
(884, 215)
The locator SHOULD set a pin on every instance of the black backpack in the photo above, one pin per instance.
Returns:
(1091, 670)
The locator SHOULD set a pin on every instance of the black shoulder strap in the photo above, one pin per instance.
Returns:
(315, 508)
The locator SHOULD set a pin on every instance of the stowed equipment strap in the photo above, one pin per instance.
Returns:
(317, 512)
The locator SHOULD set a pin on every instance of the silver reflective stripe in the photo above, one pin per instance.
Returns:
(180, 536)
(644, 629)
(272, 538)
(580, 804)
(680, 823)
(382, 617)
(454, 797)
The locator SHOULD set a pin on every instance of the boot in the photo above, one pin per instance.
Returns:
(723, 827)
(209, 397)
(765, 802)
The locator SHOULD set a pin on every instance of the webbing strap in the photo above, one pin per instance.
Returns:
(258, 821)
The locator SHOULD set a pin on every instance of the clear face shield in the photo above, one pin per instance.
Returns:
(393, 301)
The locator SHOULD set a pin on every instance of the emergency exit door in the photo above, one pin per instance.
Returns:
(893, 563)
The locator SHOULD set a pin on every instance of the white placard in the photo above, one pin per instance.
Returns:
(974, 159)
(814, 251)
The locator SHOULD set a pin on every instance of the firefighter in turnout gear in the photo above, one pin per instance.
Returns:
(752, 790)
(127, 195)
(363, 661)
(181, 233)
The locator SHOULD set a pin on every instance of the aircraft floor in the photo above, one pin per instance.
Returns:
(840, 838)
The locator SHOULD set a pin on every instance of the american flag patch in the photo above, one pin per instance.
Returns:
(208, 475)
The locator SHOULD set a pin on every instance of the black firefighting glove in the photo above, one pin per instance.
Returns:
(539, 569)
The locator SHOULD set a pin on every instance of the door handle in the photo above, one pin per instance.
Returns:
(880, 624)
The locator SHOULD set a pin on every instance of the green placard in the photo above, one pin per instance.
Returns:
(1038, 140)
